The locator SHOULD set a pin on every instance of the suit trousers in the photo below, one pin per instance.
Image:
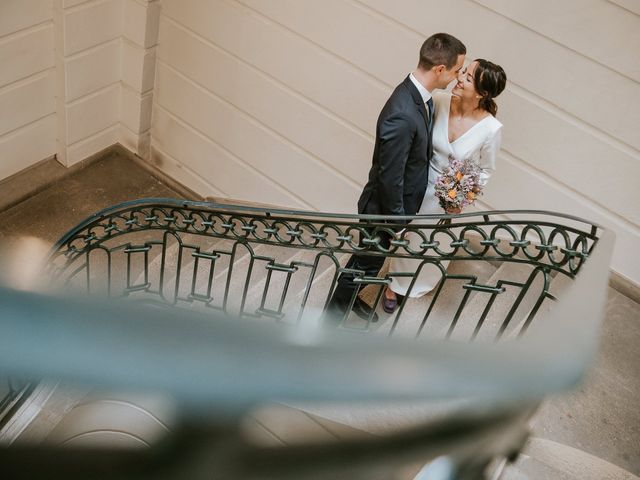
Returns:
(369, 264)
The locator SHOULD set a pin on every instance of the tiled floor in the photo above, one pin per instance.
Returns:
(601, 418)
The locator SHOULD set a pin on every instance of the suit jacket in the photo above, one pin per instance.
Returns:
(400, 167)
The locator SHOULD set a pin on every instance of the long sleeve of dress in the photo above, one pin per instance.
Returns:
(488, 153)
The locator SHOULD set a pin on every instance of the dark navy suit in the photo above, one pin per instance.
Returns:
(398, 176)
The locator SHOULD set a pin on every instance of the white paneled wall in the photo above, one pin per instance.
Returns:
(27, 85)
(76, 76)
(140, 36)
(87, 50)
(276, 101)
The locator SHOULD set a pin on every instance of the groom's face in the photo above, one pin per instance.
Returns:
(448, 76)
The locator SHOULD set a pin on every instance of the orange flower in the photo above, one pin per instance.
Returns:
(452, 193)
(459, 176)
(471, 196)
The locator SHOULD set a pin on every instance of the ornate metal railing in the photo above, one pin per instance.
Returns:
(258, 262)
(233, 261)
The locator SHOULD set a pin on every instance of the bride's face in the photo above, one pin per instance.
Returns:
(464, 87)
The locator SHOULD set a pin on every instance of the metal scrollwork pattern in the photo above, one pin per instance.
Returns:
(258, 262)
(561, 247)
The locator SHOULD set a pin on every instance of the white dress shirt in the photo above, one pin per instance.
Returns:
(424, 93)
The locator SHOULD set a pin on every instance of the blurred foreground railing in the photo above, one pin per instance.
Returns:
(12, 391)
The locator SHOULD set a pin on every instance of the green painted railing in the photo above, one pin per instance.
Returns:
(206, 262)
(231, 258)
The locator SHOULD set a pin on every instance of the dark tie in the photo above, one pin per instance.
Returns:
(430, 127)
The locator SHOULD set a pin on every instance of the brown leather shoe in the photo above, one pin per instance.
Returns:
(389, 305)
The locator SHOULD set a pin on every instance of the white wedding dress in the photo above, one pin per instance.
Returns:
(480, 144)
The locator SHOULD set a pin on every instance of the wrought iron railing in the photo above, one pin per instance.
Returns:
(282, 265)
(256, 262)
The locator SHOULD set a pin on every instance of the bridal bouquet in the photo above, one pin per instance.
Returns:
(459, 184)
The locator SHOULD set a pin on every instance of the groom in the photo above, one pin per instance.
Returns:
(401, 156)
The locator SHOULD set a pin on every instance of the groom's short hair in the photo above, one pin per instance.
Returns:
(440, 49)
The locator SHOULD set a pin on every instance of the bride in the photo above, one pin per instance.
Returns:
(465, 128)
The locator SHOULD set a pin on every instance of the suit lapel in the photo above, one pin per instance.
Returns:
(417, 98)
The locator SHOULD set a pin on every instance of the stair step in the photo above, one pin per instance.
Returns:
(196, 262)
(123, 259)
(289, 425)
(271, 262)
(558, 285)
(236, 265)
(111, 422)
(310, 266)
(278, 258)
(319, 291)
(447, 301)
(500, 304)
(383, 419)
(545, 459)
(171, 256)
(527, 468)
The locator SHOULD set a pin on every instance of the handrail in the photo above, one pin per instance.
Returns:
(310, 213)
(340, 232)
(191, 355)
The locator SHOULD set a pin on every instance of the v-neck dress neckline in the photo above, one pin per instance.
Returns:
(448, 110)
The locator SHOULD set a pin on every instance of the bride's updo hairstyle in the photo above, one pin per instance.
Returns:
(489, 80)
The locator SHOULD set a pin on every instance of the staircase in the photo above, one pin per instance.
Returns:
(281, 266)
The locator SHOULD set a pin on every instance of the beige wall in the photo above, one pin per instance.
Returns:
(87, 52)
(139, 39)
(276, 101)
(105, 59)
(76, 76)
(27, 84)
